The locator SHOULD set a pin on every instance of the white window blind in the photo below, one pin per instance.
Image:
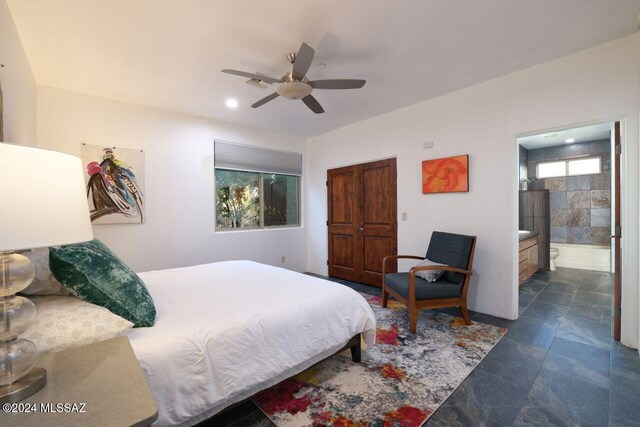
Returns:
(255, 159)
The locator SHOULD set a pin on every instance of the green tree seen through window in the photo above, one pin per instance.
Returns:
(238, 199)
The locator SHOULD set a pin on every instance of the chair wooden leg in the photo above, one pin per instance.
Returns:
(465, 314)
(385, 298)
(413, 319)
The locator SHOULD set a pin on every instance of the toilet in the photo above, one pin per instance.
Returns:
(553, 254)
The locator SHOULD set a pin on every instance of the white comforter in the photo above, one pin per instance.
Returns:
(227, 330)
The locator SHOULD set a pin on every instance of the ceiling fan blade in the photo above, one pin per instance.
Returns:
(252, 76)
(304, 57)
(266, 99)
(313, 104)
(337, 84)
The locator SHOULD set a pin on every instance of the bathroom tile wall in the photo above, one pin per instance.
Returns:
(524, 158)
(580, 206)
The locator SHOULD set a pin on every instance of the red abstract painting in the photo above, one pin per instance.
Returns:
(446, 175)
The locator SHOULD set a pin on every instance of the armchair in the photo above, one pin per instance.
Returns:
(455, 252)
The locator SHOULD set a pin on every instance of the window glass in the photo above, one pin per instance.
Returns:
(237, 199)
(552, 169)
(585, 166)
(239, 195)
(280, 200)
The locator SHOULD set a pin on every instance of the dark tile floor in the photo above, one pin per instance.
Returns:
(556, 366)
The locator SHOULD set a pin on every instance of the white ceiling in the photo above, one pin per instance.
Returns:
(581, 134)
(168, 54)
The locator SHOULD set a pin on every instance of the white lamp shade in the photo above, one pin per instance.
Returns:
(43, 201)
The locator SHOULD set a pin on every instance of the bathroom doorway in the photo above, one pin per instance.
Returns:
(568, 217)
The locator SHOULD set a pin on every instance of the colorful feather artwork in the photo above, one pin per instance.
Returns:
(114, 179)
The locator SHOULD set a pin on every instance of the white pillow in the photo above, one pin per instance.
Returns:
(429, 275)
(65, 322)
(44, 283)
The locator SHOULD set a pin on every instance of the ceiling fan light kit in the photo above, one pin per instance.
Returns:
(294, 90)
(295, 85)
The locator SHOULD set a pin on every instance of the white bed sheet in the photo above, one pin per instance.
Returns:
(227, 330)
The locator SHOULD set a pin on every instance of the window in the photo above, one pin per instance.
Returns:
(256, 187)
(237, 199)
(550, 169)
(280, 200)
(584, 166)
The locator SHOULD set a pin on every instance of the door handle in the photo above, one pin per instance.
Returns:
(360, 230)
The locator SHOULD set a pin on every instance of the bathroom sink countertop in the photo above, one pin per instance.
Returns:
(526, 234)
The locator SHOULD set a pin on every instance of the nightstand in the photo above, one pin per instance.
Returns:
(98, 384)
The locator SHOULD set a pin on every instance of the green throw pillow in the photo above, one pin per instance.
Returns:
(94, 274)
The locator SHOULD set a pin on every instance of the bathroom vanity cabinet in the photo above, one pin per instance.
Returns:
(527, 256)
(534, 216)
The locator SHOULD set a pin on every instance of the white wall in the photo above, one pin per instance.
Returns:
(18, 85)
(180, 213)
(482, 121)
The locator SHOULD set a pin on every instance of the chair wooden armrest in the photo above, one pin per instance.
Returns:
(395, 257)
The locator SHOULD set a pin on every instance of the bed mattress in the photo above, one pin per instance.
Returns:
(226, 330)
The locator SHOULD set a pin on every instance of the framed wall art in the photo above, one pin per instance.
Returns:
(446, 175)
(115, 184)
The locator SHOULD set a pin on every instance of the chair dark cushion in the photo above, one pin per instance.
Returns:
(442, 288)
(450, 249)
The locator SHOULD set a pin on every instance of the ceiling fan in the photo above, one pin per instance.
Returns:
(295, 85)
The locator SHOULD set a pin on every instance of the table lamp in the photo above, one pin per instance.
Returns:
(43, 203)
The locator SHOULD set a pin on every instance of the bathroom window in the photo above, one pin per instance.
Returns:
(551, 169)
(583, 166)
(589, 166)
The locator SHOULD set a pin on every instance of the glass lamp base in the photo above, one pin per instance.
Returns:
(26, 386)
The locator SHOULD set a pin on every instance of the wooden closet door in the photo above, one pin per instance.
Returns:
(362, 204)
(343, 222)
(378, 227)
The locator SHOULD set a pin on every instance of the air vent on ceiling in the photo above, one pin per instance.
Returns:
(258, 83)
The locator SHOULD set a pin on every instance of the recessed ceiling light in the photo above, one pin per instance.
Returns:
(231, 103)
(569, 140)
(321, 65)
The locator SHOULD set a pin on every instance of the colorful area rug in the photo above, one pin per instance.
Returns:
(400, 382)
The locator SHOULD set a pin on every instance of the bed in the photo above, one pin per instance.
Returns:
(226, 330)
